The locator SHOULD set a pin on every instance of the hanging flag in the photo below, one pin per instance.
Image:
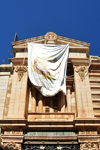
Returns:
(47, 65)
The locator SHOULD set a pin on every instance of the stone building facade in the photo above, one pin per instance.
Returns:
(29, 120)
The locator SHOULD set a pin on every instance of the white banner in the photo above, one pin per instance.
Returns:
(47, 65)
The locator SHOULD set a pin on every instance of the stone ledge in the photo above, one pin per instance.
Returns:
(4, 73)
(6, 68)
(13, 122)
(10, 138)
(50, 142)
(87, 138)
(80, 62)
(50, 138)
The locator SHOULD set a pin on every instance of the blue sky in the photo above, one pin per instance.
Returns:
(76, 19)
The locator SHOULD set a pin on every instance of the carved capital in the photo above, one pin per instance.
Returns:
(11, 146)
(89, 146)
(82, 71)
(20, 71)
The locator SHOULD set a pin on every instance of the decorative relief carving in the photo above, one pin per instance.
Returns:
(88, 133)
(50, 36)
(13, 133)
(20, 70)
(89, 146)
(11, 146)
(82, 71)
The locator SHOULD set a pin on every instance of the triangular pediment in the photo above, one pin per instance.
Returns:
(73, 44)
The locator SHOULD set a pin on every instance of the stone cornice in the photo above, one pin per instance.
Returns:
(74, 44)
(81, 62)
(28, 40)
(87, 122)
(73, 41)
(39, 38)
(18, 61)
(13, 122)
(6, 68)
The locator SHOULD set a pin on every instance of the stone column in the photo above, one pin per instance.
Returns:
(33, 104)
(69, 99)
(19, 97)
(40, 103)
(82, 90)
(62, 102)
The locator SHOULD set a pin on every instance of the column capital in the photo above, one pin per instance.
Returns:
(82, 71)
(89, 146)
(12, 146)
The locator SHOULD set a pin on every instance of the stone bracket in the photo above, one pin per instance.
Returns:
(20, 70)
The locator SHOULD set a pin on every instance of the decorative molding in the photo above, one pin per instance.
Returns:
(87, 132)
(89, 146)
(58, 37)
(6, 68)
(20, 70)
(82, 71)
(11, 146)
(13, 133)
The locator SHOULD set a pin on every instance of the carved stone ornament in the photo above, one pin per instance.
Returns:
(50, 36)
(89, 146)
(42, 147)
(82, 71)
(20, 70)
(88, 133)
(11, 146)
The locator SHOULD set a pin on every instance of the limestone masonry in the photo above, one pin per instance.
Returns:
(29, 120)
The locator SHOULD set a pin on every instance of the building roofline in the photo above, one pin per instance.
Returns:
(34, 39)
